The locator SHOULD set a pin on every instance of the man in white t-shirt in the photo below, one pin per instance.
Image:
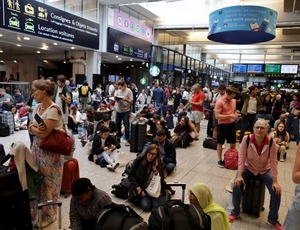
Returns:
(124, 98)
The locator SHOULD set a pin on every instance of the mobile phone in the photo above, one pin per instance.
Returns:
(38, 119)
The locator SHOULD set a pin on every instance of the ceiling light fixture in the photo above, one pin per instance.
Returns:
(72, 47)
(38, 52)
(18, 45)
(44, 47)
(1, 51)
(27, 38)
(55, 43)
(15, 61)
(1, 35)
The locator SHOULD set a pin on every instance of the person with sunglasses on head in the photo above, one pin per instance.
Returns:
(258, 159)
(144, 167)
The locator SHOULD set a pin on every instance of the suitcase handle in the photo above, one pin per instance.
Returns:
(47, 203)
(183, 186)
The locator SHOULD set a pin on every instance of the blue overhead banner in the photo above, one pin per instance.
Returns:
(242, 25)
(36, 18)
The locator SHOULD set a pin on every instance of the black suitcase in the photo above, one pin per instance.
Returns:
(254, 197)
(138, 135)
(15, 207)
(210, 126)
(210, 143)
(177, 215)
(4, 130)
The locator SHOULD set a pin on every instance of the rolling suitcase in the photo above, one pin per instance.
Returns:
(254, 197)
(4, 130)
(8, 118)
(138, 135)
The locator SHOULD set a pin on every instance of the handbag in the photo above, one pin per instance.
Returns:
(154, 186)
(58, 142)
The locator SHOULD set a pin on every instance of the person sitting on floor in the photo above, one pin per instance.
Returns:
(86, 204)
(105, 145)
(201, 195)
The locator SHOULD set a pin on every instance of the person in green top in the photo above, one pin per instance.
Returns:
(201, 195)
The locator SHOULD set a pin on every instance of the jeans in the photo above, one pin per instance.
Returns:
(125, 118)
(170, 167)
(268, 181)
(148, 203)
(292, 219)
(111, 157)
(158, 107)
(292, 126)
(247, 119)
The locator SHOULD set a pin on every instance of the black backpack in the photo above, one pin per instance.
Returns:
(121, 190)
(120, 217)
(175, 215)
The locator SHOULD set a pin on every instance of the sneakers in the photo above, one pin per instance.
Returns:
(127, 143)
(221, 164)
(276, 225)
(233, 217)
(112, 167)
(281, 160)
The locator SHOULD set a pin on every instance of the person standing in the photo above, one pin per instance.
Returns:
(251, 106)
(225, 112)
(197, 106)
(124, 98)
(292, 219)
(62, 97)
(50, 164)
(84, 95)
(292, 123)
(159, 97)
(258, 159)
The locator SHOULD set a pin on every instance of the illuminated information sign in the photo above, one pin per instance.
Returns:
(41, 20)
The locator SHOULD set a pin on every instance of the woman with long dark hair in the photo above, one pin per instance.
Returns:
(144, 167)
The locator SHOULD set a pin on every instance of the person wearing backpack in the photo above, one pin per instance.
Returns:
(84, 91)
(258, 159)
(201, 195)
(225, 112)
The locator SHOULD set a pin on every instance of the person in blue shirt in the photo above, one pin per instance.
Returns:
(19, 99)
(159, 96)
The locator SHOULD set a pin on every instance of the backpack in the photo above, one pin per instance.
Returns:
(231, 158)
(84, 90)
(121, 190)
(127, 167)
(120, 217)
(175, 215)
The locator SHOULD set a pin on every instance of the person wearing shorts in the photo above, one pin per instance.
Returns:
(197, 106)
(225, 112)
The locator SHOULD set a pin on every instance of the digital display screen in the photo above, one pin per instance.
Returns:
(239, 68)
(255, 68)
(121, 43)
(289, 69)
(272, 68)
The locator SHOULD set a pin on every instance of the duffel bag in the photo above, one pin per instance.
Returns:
(210, 143)
(175, 215)
(121, 190)
(120, 217)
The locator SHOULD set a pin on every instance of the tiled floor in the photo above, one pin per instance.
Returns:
(195, 164)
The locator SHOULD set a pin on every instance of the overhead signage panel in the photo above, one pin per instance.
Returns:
(41, 20)
(121, 43)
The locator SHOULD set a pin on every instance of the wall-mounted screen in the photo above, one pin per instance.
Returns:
(272, 68)
(239, 68)
(255, 68)
(289, 69)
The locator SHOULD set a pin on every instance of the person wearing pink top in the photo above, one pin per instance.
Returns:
(225, 113)
(258, 160)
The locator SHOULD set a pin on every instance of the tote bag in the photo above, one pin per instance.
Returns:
(154, 186)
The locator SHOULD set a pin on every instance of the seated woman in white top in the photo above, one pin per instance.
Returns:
(74, 119)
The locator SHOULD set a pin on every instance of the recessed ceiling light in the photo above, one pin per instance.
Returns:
(15, 61)
(1, 61)
(72, 47)
(1, 51)
(130, 59)
(45, 61)
(18, 45)
(117, 56)
(1, 35)
(64, 62)
(55, 43)
(127, 67)
(120, 59)
(27, 38)
(45, 47)
(38, 52)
